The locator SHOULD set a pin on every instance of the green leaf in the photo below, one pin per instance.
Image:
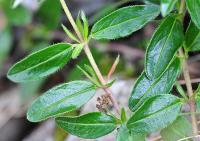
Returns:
(132, 17)
(85, 25)
(77, 51)
(145, 88)
(192, 38)
(193, 7)
(79, 23)
(125, 135)
(164, 44)
(61, 99)
(167, 6)
(123, 115)
(89, 126)
(41, 63)
(179, 129)
(5, 45)
(156, 113)
(70, 34)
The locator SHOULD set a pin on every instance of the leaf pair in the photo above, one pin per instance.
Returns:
(145, 88)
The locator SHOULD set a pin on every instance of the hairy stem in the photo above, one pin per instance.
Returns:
(90, 56)
(188, 82)
(190, 94)
(71, 20)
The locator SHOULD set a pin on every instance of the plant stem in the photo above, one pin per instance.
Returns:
(90, 56)
(71, 20)
(188, 82)
(190, 94)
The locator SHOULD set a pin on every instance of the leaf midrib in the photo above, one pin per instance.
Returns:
(85, 124)
(148, 116)
(161, 52)
(64, 99)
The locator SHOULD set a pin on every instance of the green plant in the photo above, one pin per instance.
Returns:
(153, 107)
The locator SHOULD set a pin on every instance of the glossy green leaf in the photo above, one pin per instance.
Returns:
(132, 17)
(90, 126)
(145, 88)
(164, 44)
(193, 7)
(192, 38)
(179, 129)
(5, 45)
(167, 6)
(61, 99)
(125, 135)
(41, 63)
(156, 113)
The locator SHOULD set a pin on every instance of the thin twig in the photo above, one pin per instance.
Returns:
(188, 81)
(190, 94)
(90, 56)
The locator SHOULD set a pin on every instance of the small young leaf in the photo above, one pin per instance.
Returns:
(167, 6)
(123, 115)
(156, 113)
(93, 80)
(125, 135)
(61, 99)
(132, 17)
(41, 63)
(192, 38)
(179, 129)
(89, 126)
(85, 25)
(71, 35)
(79, 23)
(145, 88)
(77, 51)
(193, 7)
(163, 46)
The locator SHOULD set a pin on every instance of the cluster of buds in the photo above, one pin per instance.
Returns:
(103, 103)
